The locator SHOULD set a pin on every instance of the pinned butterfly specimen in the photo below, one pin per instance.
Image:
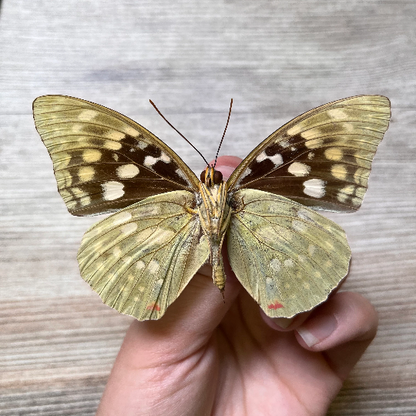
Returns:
(168, 223)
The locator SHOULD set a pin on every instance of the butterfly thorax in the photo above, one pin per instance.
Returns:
(215, 214)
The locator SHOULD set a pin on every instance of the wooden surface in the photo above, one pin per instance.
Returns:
(276, 59)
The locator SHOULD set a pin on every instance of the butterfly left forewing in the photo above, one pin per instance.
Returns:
(102, 160)
(321, 158)
(288, 257)
(141, 258)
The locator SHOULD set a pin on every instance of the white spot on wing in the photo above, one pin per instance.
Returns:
(142, 144)
(127, 171)
(153, 266)
(311, 249)
(275, 265)
(314, 188)
(245, 173)
(120, 217)
(140, 265)
(337, 113)
(165, 158)
(288, 263)
(276, 159)
(299, 226)
(299, 169)
(112, 190)
(149, 161)
(129, 228)
(182, 175)
(260, 157)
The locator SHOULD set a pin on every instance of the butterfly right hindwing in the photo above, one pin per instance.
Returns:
(288, 257)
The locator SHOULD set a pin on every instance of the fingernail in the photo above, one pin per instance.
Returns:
(317, 329)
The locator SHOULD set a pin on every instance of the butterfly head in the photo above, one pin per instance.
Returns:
(210, 177)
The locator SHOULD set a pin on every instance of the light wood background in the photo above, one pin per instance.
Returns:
(276, 59)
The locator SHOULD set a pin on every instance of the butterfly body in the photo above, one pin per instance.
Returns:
(167, 223)
(215, 215)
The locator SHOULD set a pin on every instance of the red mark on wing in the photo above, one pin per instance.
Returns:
(275, 305)
(153, 306)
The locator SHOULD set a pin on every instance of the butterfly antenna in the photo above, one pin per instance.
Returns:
(177, 131)
(223, 135)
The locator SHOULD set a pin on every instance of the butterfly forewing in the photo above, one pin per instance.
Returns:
(103, 161)
(140, 259)
(321, 158)
(288, 257)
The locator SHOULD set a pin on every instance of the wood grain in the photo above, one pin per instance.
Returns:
(276, 59)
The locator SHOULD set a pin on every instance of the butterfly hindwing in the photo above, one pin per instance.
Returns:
(141, 258)
(288, 257)
(321, 158)
(103, 161)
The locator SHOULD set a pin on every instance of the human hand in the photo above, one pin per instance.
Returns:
(207, 357)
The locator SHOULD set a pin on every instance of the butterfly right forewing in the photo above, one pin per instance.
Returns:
(321, 158)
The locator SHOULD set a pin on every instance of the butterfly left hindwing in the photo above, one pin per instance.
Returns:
(141, 258)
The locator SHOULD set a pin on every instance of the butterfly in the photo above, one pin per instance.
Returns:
(167, 223)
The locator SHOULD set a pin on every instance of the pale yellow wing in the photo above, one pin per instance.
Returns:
(287, 256)
(141, 258)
